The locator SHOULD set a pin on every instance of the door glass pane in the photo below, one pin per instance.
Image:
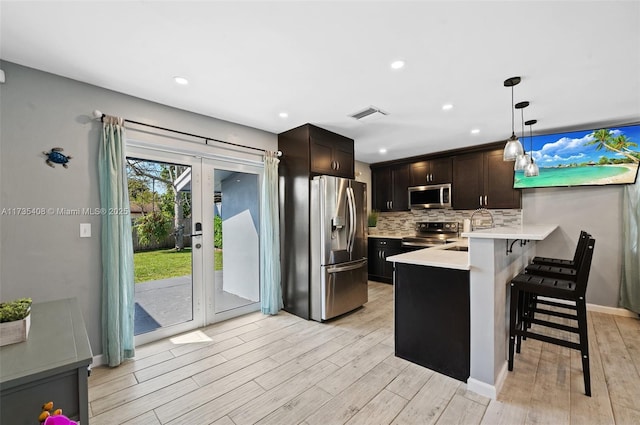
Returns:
(160, 202)
(236, 239)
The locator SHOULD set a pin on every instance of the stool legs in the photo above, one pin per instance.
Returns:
(584, 344)
(513, 311)
(521, 311)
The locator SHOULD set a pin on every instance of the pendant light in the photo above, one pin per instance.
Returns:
(531, 170)
(513, 148)
(523, 159)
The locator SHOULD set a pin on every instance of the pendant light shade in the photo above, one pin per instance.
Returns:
(513, 148)
(523, 159)
(531, 170)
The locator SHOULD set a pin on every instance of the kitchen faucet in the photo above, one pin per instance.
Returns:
(482, 210)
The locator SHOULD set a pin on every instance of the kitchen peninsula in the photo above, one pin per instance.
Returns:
(470, 288)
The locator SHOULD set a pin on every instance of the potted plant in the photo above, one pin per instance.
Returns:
(15, 321)
(372, 218)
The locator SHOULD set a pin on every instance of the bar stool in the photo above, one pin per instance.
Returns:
(558, 262)
(554, 268)
(521, 316)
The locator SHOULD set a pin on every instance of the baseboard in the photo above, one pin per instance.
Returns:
(482, 388)
(612, 310)
(603, 309)
(98, 361)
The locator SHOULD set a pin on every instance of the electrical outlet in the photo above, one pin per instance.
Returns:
(85, 230)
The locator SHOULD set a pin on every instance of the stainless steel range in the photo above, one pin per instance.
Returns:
(431, 233)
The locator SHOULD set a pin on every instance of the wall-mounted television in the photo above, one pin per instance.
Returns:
(594, 157)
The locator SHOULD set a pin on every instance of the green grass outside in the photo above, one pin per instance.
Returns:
(166, 263)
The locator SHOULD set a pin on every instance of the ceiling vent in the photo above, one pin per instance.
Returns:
(369, 113)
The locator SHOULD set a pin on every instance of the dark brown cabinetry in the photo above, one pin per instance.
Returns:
(330, 153)
(433, 171)
(317, 151)
(380, 269)
(390, 186)
(483, 179)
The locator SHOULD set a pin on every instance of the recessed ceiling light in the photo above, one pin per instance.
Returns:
(475, 131)
(383, 151)
(181, 80)
(283, 115)
(447, 107)
(397, 64)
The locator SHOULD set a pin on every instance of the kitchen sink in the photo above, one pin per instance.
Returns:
(457, 248)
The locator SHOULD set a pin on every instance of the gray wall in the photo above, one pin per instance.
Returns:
(597, 210)
(240, 192)
(43, 257)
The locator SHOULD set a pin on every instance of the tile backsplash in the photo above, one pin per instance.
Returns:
(404, 222)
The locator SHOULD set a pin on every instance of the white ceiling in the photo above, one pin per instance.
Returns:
(322, 61)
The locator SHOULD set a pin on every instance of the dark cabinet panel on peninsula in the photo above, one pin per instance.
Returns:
(390, 186)
(432, 318)
(483, 179)
(380, 269)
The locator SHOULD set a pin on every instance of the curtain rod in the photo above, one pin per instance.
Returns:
(100, 115)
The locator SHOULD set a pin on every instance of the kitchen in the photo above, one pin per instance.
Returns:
(28, 93)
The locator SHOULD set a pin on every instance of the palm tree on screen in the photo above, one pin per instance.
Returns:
(621, 144)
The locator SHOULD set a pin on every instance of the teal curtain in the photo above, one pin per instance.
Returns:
(630, 282)
(270, 283)
(117, 247)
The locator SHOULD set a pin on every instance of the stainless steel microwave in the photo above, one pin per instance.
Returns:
(432, 196)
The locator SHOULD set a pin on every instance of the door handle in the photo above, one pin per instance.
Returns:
(351, 203)
(480, 200)
(485, 200)
(347, 267)
(197, 231)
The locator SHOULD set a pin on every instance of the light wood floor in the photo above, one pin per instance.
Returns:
(284, 370)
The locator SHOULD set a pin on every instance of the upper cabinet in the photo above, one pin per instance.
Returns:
(483, 179)
(390, 188)
(433, 171)
(317, 151)
(331, 154)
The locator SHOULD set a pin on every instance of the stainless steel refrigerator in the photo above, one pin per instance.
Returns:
(338, 247)
(322, 241)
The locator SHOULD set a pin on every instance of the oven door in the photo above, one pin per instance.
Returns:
(409, 245)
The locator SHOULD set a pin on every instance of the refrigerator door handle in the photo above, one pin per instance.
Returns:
(345, 267)
(352, 219)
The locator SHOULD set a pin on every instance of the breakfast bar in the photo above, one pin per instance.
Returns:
(494, 256)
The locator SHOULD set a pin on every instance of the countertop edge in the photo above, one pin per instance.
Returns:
(437, 256)
(536, 232)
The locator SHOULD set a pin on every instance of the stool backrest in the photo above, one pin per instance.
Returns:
(585, 267)
(582, 243)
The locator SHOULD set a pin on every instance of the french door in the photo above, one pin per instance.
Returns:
(231, 226)
(196, 240)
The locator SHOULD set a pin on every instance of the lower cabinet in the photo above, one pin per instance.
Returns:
(380, 269)
(432, 318)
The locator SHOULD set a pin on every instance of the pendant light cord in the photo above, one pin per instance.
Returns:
(513, 132)
(523, 134)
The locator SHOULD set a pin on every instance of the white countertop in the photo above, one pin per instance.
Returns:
(389, 235)
(535, 232)
(437, 256)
